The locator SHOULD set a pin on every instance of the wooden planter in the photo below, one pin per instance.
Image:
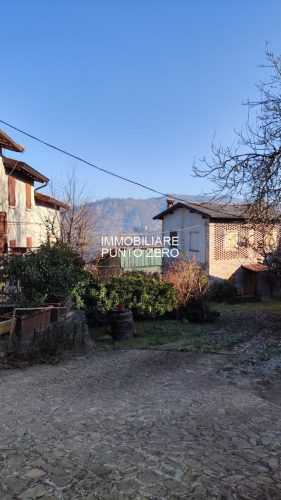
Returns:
(58, 310)
(7, 325)
(28, 321)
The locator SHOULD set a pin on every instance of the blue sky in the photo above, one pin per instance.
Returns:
(139, 87)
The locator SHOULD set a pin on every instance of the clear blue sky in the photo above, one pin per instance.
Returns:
(136, 86)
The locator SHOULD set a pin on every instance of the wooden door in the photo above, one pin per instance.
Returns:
(250, 287)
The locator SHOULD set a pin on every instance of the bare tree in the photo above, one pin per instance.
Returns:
(251, 168)
(77, 223)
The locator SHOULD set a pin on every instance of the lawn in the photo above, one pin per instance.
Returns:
(239, 323)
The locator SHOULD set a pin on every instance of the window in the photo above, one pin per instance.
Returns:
(28, 195)
(194, 241)
(174, 242)
(12, 191)
(231, 241)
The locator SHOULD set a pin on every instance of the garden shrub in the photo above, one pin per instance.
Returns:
(46, 275)
(146, 296)
(198, 311)
(189, 281)
(222, 291)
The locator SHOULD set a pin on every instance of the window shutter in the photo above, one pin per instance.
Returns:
(3, 232)
(3, 224)
(13, 243)
(29, 242)
(12, 191)
(28, 195)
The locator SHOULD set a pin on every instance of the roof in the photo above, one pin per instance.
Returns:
(22, 167)
(256, 268)
(208, 209)
(7, 143)
(49, 200)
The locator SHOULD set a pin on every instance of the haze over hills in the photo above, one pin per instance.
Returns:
(130, 215)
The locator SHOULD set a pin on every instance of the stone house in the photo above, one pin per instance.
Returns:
(27, 216)
(214, 234)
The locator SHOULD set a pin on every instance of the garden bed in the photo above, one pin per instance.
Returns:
(30, 320)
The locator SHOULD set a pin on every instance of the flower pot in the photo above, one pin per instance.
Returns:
(30, 320)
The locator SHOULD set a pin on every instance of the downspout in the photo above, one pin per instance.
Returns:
(41, 187)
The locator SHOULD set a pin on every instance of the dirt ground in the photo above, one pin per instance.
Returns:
(139, 424)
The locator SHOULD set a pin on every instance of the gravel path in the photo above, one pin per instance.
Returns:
(136, 425)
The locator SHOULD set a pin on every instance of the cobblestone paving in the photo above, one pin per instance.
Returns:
(134, 425)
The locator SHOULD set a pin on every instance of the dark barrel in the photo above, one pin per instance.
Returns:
(121, 324)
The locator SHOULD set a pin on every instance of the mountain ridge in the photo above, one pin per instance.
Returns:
(130, 215)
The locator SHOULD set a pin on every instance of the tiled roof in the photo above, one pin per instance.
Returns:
(256, 268)
(49, 200)
(22, 167)
(7, 143)
(208, 209)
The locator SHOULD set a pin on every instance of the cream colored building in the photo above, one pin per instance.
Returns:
(27, 216)
(219, 237)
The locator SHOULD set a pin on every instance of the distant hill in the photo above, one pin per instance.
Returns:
(129, 215)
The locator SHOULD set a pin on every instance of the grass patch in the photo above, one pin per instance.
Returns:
(270, 307)
(237, 323)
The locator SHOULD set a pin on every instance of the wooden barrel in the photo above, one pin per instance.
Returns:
(121, 324)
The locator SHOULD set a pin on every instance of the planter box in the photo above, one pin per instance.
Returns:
(28, 321)
(58, 310)
(7, 326)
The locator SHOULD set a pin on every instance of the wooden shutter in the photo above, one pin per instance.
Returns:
(29, 242)
(13, 243)
(28, 195)
(3, 232)
(12, 191)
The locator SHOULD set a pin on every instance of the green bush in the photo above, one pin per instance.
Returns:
(222, 291)
(146, 296)
(47, 275)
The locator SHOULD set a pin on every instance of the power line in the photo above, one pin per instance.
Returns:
(113, 174)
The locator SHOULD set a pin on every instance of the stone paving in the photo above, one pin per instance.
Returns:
(136, 425)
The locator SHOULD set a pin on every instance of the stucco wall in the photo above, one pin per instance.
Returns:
(22, 222)
(46, 218)
(185, 222)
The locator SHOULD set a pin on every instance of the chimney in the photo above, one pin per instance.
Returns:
(170, 202)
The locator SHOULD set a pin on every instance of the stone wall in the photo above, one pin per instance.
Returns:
(70, 333)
